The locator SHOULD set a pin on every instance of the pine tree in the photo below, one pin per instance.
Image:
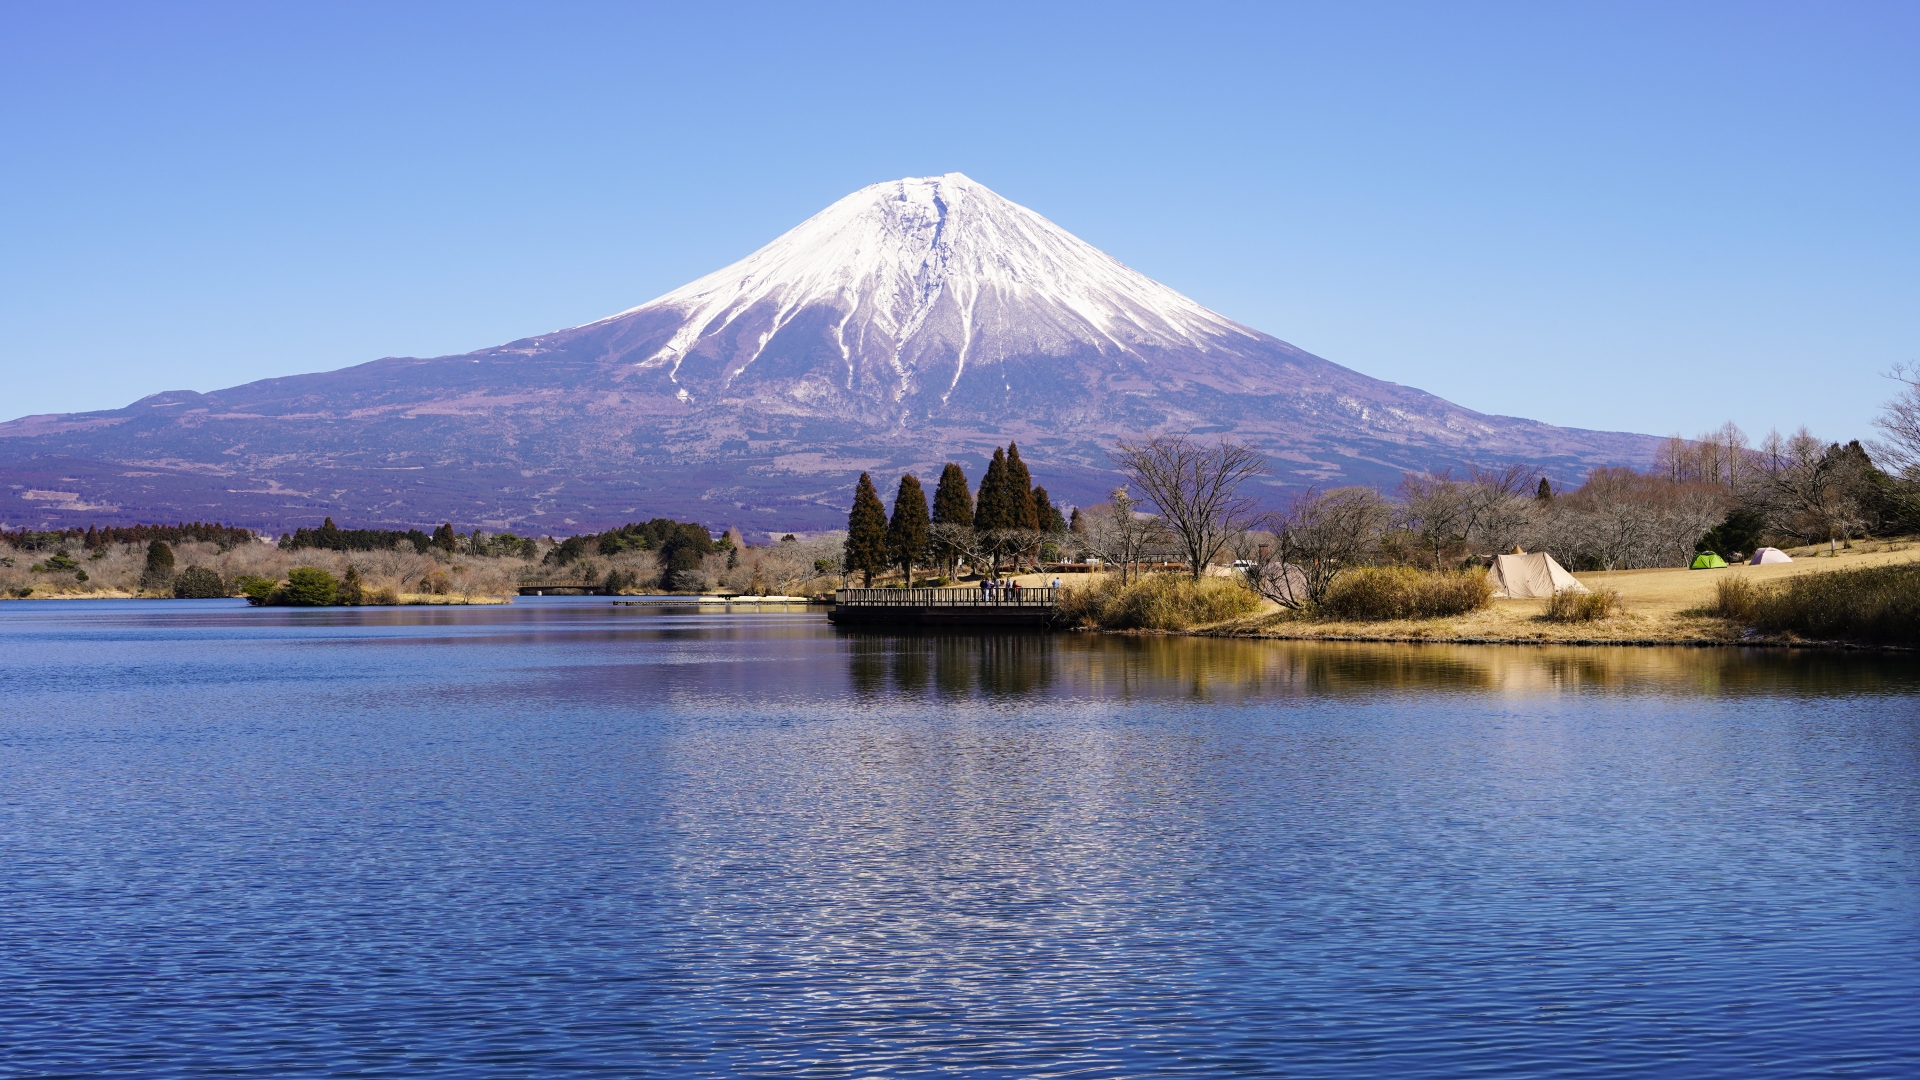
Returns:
(443, 537)
(1544, 491)
(907, 532)
(1078, 526)
(866, 532)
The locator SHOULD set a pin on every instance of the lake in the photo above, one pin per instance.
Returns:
(563, 838)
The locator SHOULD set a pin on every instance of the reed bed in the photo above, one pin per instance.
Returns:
(1157, 602)
(1386, 593)
(1873, 604)
(1572, 606)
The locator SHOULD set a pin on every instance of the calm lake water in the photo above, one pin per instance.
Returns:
(563, 838)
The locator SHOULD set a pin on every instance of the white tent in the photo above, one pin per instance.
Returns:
(1769, 555)
(1521, 577)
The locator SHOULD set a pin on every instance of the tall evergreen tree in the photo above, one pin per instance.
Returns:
(907, 532)
(1047, 514)
(952, 505)
(1078, 526)
(442, 537)
(1020, 504)
(866, 532)
(990, 509)
(952, 502)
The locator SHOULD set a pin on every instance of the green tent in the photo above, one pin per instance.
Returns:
(1707, 560)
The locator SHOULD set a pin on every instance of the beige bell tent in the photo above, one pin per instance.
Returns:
(1522, 577)
(1769, 555)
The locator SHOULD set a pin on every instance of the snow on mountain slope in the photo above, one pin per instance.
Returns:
(928, 275)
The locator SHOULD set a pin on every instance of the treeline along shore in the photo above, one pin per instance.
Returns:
(1657, 556)
(326, 565)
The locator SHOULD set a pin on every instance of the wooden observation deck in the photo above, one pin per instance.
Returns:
(1030, 609)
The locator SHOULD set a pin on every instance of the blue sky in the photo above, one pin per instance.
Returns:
(1651, 218)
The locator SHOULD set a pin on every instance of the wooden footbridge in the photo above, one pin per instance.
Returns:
(1006, 607)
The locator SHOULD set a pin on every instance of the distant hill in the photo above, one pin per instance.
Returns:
(910, 323)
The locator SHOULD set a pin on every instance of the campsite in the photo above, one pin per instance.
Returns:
(1658, 606)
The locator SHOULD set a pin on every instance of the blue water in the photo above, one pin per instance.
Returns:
(564, 838)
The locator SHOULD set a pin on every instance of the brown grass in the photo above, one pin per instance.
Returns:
(1156, 602)
(1385, 593)
(1572, 606)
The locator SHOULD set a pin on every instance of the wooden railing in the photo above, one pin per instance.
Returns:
(922, 598)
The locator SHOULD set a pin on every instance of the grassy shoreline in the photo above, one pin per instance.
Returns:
(1662, 607)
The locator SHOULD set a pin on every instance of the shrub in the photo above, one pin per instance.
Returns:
(310, 586)
(619, 581)
(434, 583)
(198, 583)
(1568, 605)
(159, 559)
(686, 580)
(1157, 602)
(1735, 598)
(1877, 603)
(352, 592)
(1376, 594)
(259, 591)
(381, 596)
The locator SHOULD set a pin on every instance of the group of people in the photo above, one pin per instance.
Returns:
(1005, 590)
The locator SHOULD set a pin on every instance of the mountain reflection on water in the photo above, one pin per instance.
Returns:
(563, 838)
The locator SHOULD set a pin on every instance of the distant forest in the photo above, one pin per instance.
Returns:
(93, 537)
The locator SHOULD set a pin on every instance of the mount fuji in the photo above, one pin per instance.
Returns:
(913, 322)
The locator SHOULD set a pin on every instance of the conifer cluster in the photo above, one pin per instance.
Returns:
(1007, 505)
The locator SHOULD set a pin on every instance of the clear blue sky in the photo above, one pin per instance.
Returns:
(1651, 218)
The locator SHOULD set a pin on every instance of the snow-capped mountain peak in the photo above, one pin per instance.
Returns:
(915, 281)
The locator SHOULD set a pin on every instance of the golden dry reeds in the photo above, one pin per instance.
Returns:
(1156, 602)
(1383, 593)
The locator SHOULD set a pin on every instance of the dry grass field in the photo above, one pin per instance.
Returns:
(1657, 606)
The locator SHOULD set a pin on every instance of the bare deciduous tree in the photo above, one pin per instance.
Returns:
(1196, 487)
(1433, 506)
(1899, 422)
(1118, 533)
(1497, 507)
(1314, 539)
(1808, 483)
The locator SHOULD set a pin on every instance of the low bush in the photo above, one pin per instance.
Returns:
(1570, 605)
(1735, 598)
(1156, 602)
(352, 590)
(198, 583)
(1877, 603)
(1378, 594)
(258, 590)
(310, 586)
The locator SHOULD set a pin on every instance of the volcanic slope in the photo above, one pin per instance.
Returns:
(911, 323)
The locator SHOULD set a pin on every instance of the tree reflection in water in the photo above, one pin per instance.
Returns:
(1205, 669)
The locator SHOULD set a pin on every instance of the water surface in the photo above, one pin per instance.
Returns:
(562, 838)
